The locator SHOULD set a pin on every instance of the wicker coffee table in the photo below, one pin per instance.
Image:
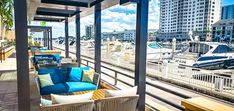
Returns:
(97, 94)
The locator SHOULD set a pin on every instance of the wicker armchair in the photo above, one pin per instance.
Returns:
(127, 103)
(81, 106)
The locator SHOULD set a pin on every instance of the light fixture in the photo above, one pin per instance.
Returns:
(127, 2)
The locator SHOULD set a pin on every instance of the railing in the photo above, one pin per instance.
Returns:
(2, 52)
(116, 80)
(197, 78)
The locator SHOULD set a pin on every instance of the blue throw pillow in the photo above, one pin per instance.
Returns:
(75, 73)
(57, 57)
(56, 74)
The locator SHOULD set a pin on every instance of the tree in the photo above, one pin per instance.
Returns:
(6, 16)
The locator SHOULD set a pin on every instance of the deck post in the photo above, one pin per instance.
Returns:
(97, 33)
(44, 38)
(21, 34)
(78, 39)
(140, 58)
(48, 38)
(51, 39)
(66, 39)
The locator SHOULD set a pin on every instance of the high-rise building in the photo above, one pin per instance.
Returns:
(179, 17)
(89, 31)
(227, 12)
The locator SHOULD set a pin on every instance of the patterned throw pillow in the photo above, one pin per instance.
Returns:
(88, 76)
(45, 80)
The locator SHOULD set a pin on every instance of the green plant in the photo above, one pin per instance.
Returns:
(6, 15)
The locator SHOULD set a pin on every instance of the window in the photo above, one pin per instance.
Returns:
(223, 49)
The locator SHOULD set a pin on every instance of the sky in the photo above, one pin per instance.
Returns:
(115, 18)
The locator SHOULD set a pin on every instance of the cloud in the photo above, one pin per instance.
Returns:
(124, 17)
(114, 18)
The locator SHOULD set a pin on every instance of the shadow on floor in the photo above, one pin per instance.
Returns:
(13, 55)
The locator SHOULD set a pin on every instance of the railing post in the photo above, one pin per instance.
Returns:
(66, 39)
(212, 81)
(115, 78)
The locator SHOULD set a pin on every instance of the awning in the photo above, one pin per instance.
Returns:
(50, 10)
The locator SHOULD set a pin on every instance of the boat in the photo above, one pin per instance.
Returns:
(206, 55)
(155, 52)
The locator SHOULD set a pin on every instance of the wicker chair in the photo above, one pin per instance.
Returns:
(81, 106)
(127, 103)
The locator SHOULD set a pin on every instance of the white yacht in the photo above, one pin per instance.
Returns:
(206, 55)
(155, 52)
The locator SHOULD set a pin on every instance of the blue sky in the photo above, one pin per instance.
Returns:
(115, 18)
(227, 2)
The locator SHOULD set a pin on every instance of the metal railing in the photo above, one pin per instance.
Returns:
(117, 73)
(197, 78)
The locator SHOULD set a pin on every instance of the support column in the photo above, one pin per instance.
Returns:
(21, 35)
(66, 39)
(44, 38)
(140, 58)
(97, 33)
(48, 39)
(78, 39)
(51, 39)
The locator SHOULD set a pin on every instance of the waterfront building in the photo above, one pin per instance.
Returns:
(112, 35)
(223, 30)
(227, 12)
(129, 35)
(89, 31)
(179, 17)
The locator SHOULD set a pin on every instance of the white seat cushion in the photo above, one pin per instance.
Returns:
(45, 102)
(59, 99)
(126, 92)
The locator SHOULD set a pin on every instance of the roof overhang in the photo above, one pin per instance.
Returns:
(49, 19)
(64, 8)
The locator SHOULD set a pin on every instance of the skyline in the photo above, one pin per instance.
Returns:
(115, 18)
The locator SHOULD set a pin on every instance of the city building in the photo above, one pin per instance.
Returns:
(129, 35)
(89, 31)
(227, 12)
(112, 35)
(152, 33)
(223, 31)
(179, 17)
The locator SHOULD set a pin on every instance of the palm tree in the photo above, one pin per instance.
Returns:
(6, 15)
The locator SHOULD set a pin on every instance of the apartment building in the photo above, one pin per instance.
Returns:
(179, 17)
